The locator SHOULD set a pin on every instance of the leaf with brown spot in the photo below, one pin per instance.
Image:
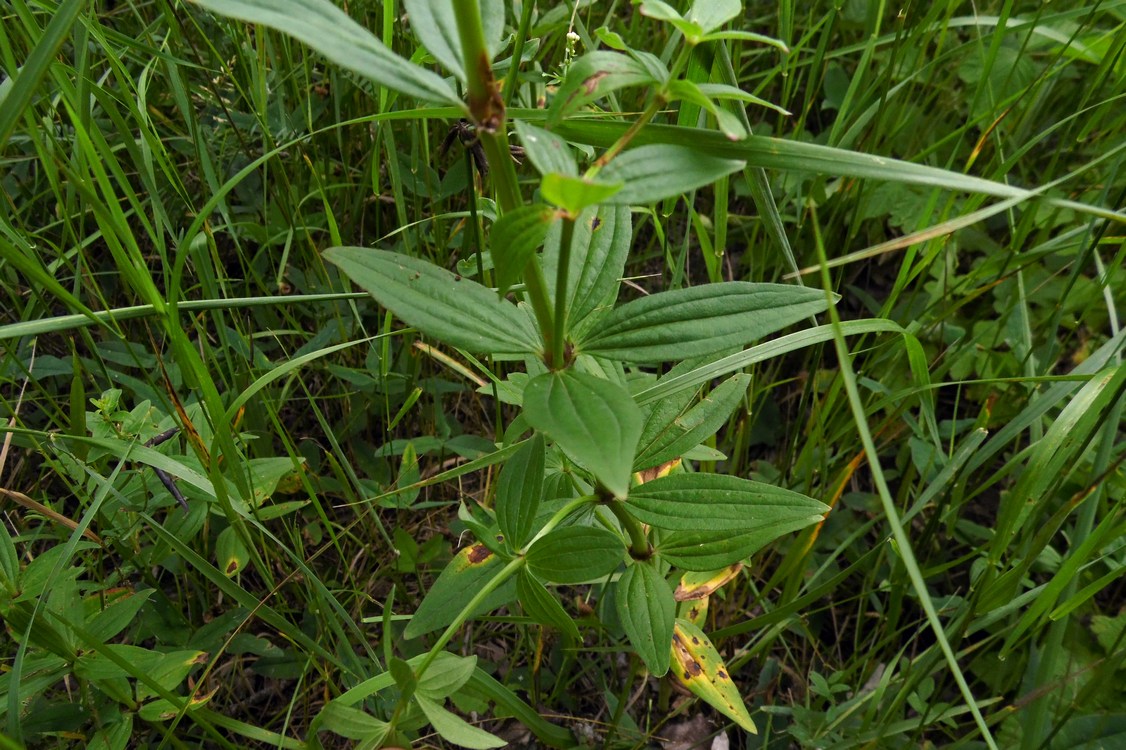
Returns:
(697, 664)
(702, 585)
(458, 583)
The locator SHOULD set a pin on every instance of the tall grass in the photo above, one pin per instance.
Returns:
(169, 180)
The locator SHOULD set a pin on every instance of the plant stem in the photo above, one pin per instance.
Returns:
(559, 340)
(561, 514)
(639, 540)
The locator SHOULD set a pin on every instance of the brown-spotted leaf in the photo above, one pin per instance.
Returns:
(701, 585)
(697, 664)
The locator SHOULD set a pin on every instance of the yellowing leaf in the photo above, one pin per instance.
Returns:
(702, 585)
(698, 665)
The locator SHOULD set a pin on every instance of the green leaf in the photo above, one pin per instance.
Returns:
(710, 550)
(685, 431)
(514, 239)
(594, 421)
(547, 151)
(117, 616)
(456, 585)
(599, 246)
(647, 610)
(446, 675)
(435, 25)
(573, 194)
(455, 729)
(575, 554)
(330, 31)
(352, 723)
(718, 502)
(731, 125)
(653, 173)
(697, 664)
(457, 311)
(592, 77)
(543, 607)
(709, 15)
(699, 320)
(231, 553)
(519, 492)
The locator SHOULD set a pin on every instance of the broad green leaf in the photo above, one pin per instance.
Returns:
(514, 239)
(698, 665)
(352, 723)
(547, 151)
(653, 173)
(594, 421)
(435, 25)
(687, 430)
(709, 15)
(452, 309)
(455, 729)
(456, 585)
(446, 675)
(592, 77)
(575, 554)
(573, 194)
(699, 320)
(718, 502)
(709, 550)
(543, 607)
(664, 12)
(601, 261)
(519, 492)
(117, 616)
(646, 610)
(332, 32)
(231, 553)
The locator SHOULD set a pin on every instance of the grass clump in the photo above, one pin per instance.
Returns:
(798, 416)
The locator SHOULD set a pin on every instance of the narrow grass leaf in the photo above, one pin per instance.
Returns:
(659, 171)
(514, 239)
(452, 309)
(332, 32)
(434, 23)
(575, 554)
(699, 667)
(699, 320)
(593, 420)
(647, 610)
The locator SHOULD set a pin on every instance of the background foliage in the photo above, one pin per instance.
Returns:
(169, 180)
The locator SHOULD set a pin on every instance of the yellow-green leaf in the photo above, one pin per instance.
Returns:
(697, 664)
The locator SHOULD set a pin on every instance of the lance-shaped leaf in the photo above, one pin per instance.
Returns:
(543, 607)
(452, 309)
(519, 491)
(702, 585)
(709, 15)
(696, 425)
(708, 550)
(593, 76)
(653, 173)
(699, 320)
(575, 554)
(455, 729)
(435, 25)
(547, 151)
(514, 240)
(330, 31)
(718, 502)
(646, 610)
(594, 421)
(697, 664)
(470, 569)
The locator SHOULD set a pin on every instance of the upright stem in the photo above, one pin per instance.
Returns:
(639, 541)
(486, 107)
